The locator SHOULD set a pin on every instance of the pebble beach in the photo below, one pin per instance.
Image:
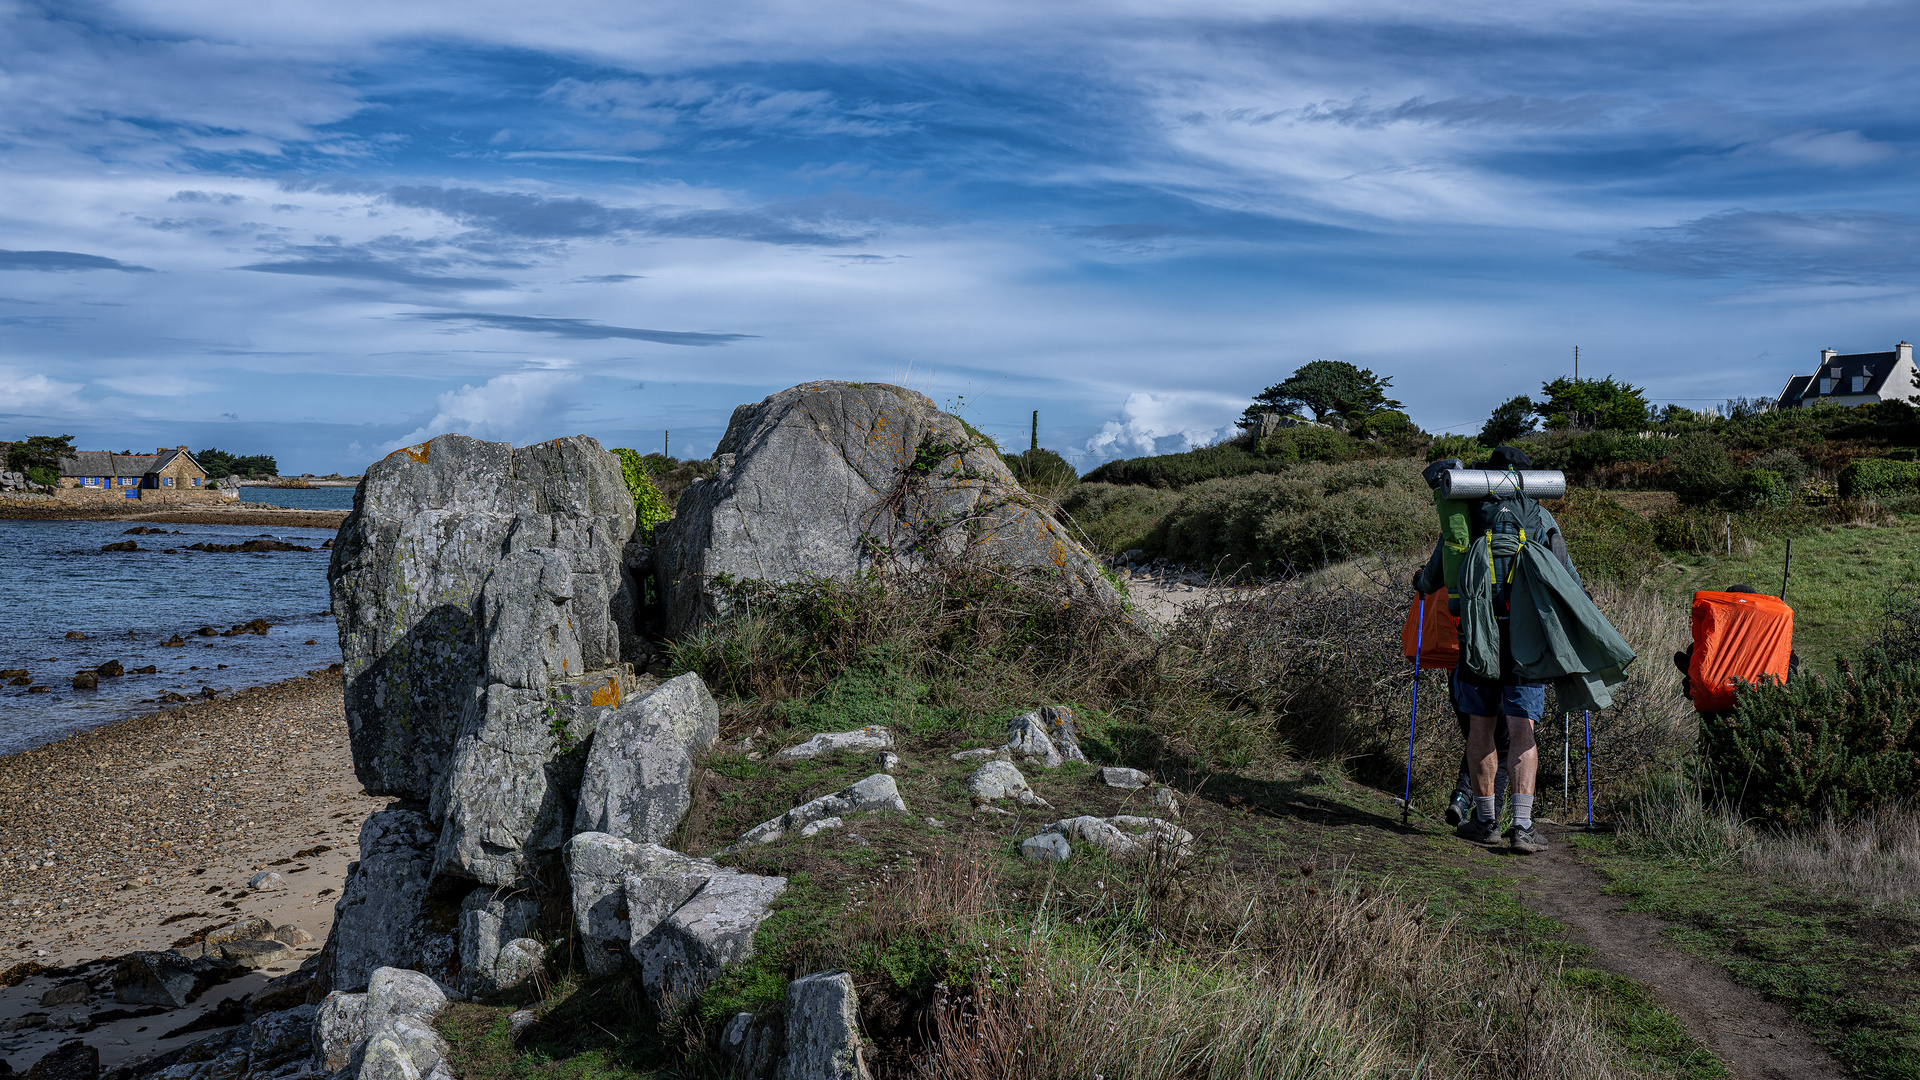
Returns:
(129, 836)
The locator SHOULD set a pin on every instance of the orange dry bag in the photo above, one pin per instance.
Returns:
(1439, 644)
(1745, 636)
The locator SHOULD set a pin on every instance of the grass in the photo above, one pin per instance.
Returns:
(1842, 574)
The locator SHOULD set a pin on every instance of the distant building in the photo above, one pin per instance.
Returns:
(1855, 379)
(164, 474)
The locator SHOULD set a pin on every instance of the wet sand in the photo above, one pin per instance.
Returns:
(107, 835)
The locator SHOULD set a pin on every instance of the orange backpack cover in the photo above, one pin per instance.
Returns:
(1746, 636)
(1439, 645)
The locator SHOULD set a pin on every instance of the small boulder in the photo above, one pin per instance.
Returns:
(750, 1045)
(876, 792)
(67, 993)
(686, 953)
(639, 770)
(1028, 741)
(73, 1060)
(112, 669)
(823, 1029)
(1166, 802)
(339, 1026)
(291, 935)
(266, 881)
(252, 928)
(86, 680)
(1047, 847)
(254, 955)
(996, 780)
(1126, 836)
(873, 737)
(153, 978)
(1115, 777)
(75, 635)
(887, 760)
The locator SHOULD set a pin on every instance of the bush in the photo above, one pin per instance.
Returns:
(43, 476)
(1761, 489)
(1289, 445)
(1702, 471)
(1042, 472)
(1465, 447)
(1789, 752)
(1608, 542)
(649, 506)
(1310, 516)
(1878, 478)
(1510, 420)
(1181, 470)
(1117, 518)
(1790, 465)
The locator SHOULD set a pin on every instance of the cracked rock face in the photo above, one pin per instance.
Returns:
(713, 929)
(823, 1029)
(1125, 836)
(492, 923)
(639, 772)
(830, 479)
(384, 916)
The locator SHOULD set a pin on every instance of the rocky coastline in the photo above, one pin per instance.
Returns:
(45, 509)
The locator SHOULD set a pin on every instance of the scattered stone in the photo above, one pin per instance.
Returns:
(174, 642)
(887, 760)
(124, 545)
(821, 826)
(68, 1017)
(75, 635)
(1126, 836)
(153, 978)
(1000, 780)
(984, 808)
(252, 928)
(1116, 777)
(1000, 752)
(41, 689)
(823, 1029)
(254, 955)
(291, 935)
(148, 670)
(67, 993)
(750, 1045)
(110, 670)
(935, 823)
(267, 881)
(1046, 736)
(686, 953)
(73, 1060)
(639, 772)
(871, 737)
(1166, 802)
(1058, 720)
(1047, 847)
(876, 792)
(339, 1027)
(519, 1021)
(86, 680)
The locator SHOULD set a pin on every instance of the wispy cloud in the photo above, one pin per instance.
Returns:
(521, 406)
(369, 269)
(578, 329)
(64, 261)
(1829, 246)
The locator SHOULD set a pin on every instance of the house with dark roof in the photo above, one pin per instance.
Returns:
(1855, 379)
(169, 472)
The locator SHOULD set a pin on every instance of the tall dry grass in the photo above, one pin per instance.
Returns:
(1176, 975)
(1873, 858)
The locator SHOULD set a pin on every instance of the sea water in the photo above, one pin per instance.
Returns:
(313, 498)
(55, 579)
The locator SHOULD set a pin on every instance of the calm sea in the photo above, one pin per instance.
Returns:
(54, 579)
(319, 498)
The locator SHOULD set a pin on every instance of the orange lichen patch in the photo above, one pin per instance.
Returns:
(417, 452)
(607, 695)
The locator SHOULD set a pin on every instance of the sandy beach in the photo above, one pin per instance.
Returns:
(135, 835)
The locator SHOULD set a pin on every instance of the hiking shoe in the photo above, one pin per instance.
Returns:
(1526, 841)
(1478, 831)
(1460, 809)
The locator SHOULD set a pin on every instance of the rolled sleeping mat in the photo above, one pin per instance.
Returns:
(1470, 484)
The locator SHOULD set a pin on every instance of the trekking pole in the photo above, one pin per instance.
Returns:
(1588, 755)
(1566, 760)
(1786, 569)
(1413, 712)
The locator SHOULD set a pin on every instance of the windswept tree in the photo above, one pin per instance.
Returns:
(1512, 419)
(1326, 388)
(39, 457)
(1589, 403)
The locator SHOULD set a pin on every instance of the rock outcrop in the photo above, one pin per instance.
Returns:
(637, 775)
(835, 478)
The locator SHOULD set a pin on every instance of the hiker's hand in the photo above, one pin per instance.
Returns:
(1416, 584)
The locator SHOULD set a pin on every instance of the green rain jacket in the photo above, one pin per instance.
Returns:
(1558, 636)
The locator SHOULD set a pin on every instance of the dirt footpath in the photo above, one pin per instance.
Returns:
(1754, 1037)
(135, 835)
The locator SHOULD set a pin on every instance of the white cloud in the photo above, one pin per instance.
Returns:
(1163, 423)
(517, 407)
(26, 392)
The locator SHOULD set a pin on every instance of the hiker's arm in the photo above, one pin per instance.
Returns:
(1431, 577)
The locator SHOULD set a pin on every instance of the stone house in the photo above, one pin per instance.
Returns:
(1855, 379)
(168, 474)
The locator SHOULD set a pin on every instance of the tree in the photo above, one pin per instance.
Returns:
(39, 454)
(219, 463)
(1604, 404)
(1509, 421)
(1325, 388)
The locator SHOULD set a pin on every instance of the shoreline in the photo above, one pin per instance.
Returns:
(131, 835)
(230, 514)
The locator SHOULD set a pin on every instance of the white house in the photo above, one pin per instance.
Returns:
(1855, 379)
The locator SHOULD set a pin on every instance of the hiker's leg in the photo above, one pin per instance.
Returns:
(1523, 754)
(1482, 759)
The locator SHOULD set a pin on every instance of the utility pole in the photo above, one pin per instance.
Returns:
(666, 444)
(1576, 363)
(1034, 442)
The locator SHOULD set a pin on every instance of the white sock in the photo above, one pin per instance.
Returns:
(1483, 807)
(1522, 810)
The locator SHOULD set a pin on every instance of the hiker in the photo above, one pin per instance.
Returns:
(1460, 805)
(1739, 634)
(1492, 559)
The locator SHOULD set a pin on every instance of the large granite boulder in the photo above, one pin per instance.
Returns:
(638, 780)
(835, 478)
(422, 634)
(493, 922)
(714, 928)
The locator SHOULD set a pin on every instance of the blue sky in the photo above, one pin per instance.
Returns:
(322, 231)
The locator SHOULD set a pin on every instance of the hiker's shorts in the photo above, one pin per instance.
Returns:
(1523, 699)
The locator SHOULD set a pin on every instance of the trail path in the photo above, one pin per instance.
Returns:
(1754, 1037)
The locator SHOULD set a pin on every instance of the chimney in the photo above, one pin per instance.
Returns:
(1903, 353)
(1826, 355)
(160, 449)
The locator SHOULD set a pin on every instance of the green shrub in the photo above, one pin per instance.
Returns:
(1790, 753)
(1042, 472)
(1790, 465)
(1115, 517)
(1192, 467)
(1702, 471)
(649, 506)
(1878, 478)
(1307, 517)
(43, 476)
(1289, 445)
(1465, 447)
(1762, 489)
(1607, 541)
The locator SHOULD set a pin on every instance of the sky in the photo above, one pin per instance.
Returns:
(327, 230)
